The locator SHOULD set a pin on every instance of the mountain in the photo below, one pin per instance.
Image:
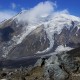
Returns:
(22, 37)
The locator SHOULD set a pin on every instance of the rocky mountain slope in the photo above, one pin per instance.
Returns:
(20, 38)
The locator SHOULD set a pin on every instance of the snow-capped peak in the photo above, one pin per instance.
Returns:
(53, 23)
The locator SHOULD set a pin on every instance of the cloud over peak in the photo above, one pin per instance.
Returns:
(35, 14)
(6, 15)
(43, 9)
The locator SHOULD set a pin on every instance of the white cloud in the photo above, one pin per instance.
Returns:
(6, 15)
(13, 5)
(35, 14)
(43, 9)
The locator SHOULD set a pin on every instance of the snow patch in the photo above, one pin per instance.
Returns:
(61, 48)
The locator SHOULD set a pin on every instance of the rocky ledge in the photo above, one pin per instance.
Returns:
(61, 66)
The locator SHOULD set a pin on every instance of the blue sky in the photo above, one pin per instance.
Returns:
(15, 6)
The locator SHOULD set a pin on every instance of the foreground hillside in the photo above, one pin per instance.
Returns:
(62, 66)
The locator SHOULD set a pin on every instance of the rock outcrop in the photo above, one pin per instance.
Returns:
(61, 66)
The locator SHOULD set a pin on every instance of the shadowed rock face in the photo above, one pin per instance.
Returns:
(6, 33)
(68, 37)
(75, 52)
